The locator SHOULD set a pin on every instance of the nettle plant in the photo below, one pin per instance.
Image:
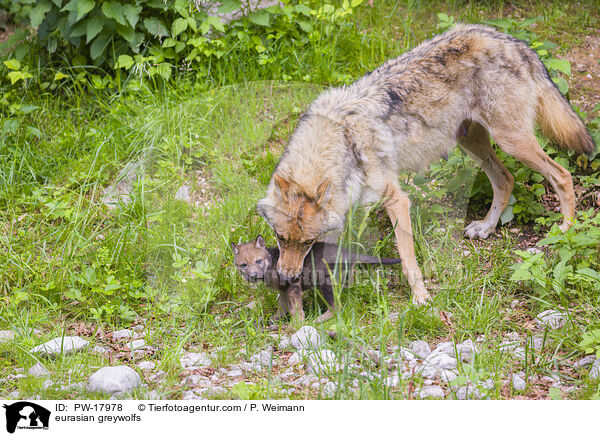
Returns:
(160, 37)
(572, 265)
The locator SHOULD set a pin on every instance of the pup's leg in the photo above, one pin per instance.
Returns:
(477, 143)
(295, 302)
(523, 145)
(397, 206)
(282, 303)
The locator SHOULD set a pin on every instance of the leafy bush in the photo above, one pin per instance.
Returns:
(157, 38)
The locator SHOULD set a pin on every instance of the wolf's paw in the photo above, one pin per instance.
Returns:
(421, 298)
(479, 229)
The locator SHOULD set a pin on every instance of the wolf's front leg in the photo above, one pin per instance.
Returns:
(397, 206)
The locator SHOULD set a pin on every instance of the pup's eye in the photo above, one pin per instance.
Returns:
(258, 261)
(243, 265)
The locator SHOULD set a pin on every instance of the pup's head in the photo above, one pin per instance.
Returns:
(299, 218)
(251, 259)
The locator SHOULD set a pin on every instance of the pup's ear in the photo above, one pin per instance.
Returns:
(283, 184)
(323, 192)
(234, 248)
(260, 242)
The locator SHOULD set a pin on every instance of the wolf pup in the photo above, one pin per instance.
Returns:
(354, 140)
(257, 262)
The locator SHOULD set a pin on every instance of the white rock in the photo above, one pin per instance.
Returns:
(448, 375)
(594, 373)
(329, 389)
(392, 381)
(264, 358)
(405, 354)
(552, 319)
(535, 342)
(420, 348)
(215, 390)
(305, 338)
(322, 361)
(519, 353)
(124, 334)
(433, 391)
(65, 344)
(235, 373)
(146, 365)
(295, 359)
(194, 359)
(444, 348)
(251, 366)
(468, 392)
(6, 335)
(585, 362)
(442, 361)
(135, 345)
(190, 395)
(38, 370)
(284, 343)
(100, 349)
(305, 380)
(466, 350)
(114, 380)
(518, 383)
(428, 371)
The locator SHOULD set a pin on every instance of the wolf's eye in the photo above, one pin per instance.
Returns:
(278, 236)
(243, 265)
(258, 261)
(309, 242)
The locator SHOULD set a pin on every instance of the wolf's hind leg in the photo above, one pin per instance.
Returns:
(397, 206)
(477, 143)
(523, 145)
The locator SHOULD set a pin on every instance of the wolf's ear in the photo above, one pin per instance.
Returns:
(260, 242)
(283, 184)
(323, 191)
(234, 248)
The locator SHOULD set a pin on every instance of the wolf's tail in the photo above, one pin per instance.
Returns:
(559, 121)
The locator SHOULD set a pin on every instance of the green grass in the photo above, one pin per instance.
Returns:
(71, 261)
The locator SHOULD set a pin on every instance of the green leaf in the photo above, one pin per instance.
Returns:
(562, 84)
(94, 27)
(114, 10)
(179, 26)
(37, 14)
(558, 65)
(83, 7)
(508, 212)
(132, 13)
(228, 6)
(306, 26)
(124, 61)
(211, 21)
(71, 6)
(13, 64)
(126, 32)
(99, 45)
(355, 3)
(155, 27)
(60, 76)
(262, 18)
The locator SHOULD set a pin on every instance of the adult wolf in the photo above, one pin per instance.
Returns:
(457, 87)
